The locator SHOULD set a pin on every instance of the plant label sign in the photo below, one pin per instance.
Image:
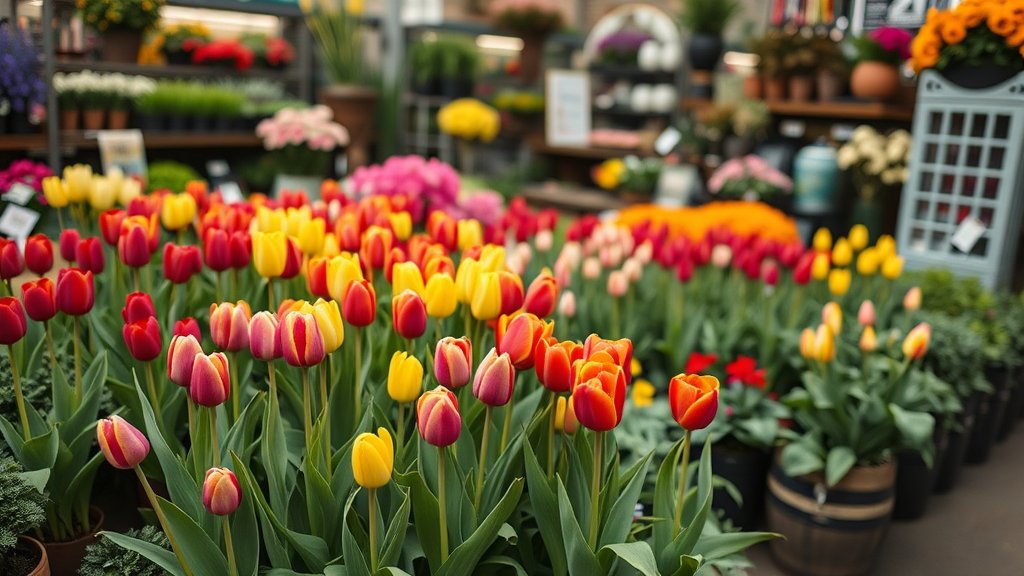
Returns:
(870, 15)
(20, 193)
(18, 222)
(567, 117)
(967, 234)
(123, 149)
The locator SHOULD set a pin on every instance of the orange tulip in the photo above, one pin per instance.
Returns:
(599, 395)
(915, 345)
(553, 363)
(518, 336)
(693, 399)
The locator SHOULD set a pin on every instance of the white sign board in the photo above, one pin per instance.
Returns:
(123, 149)
(567, 121)
(18, 222)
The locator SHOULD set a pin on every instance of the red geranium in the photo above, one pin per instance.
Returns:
(224, 51)
(279, 52)
(697, 363)
(744, 369)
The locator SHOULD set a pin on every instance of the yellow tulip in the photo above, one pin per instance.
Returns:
(466, 278)
(55, 191)
(868, 339)
(892, 267)
(401, 225)
(311, 236)
(820, 267)
(130, 190)
(912, 299)
(492, 258)
(295, 219)
(78, 179)
(915, 345)
(328, 320)
(859, 236)
(470, 234)
(642, 393)
(341, 271)
(440, 296)
(839, 281)
(867, 262)
(824, 344)
(268, 220)
(331, 247)
(405, 378)
(178, 211)
(102, 194)
(886, 246)
(822, 240)
(269, 253)
(842, 253)
(832, 315)
(486, 303)
(407, 276)
(807, 343)
(373, 459)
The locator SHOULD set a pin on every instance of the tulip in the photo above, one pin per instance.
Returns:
(868, 339)
(892, 267)
(822, 240)
(866, 313)
(554, 362)
(915, 345)
(359, 308)
(110, 225)
(807, 343)
(38, 254)
(240, 247)
(316, 277)
(229, 325)
(181, 356)
(300, 340)
(75, 292)
(122, 444)
(311, 236)
(268, 220)
(839, 281)
(437, 417)
(859, 236)
(409, 315)
(495, 379)
(263, 341)
(694, 400)
(407, 276)
(518, 337)
(511, 288)
(376, 244)
(401, 225)
(824, 344)
(103, 193)
(292, 260)
(486, 301)
(867, 262)
(328, 320)
(443, 229)
(620, 351)
(565, 416)
(470, 233)
(373, 459)
(55, 192)
(439, 265)
(591, 268)
(342, 270)
(142, 338)
(11, 262)
(187, 327)
(181, 263)
(133, 243)
(405, 377)
(842, 253)
(912, 299)
(467, 276)
(178, 211)
(802, 270)
(296, 218)
(210, 384)
(567, 304)
(221, 493)
(618, 284)
(440, 296)
(886, 246)
(137, 306)
(216, 249)
(39, 297)
(599, 395)
(269, 253)
(12, 321)
(542, 295)
(453, 362)
(821, 266)
(89, 255)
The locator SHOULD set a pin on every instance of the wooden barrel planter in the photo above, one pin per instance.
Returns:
(830, 532)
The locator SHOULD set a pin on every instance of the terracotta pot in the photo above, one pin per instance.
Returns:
(36, 548)
(753, 87)
(117, 119)
(801, 88)
(531, 57)
(93, 119)
(354, 108)
(121, 45)
(774, 89)
(66, 557)
(875, 81)
(830, 86)
(69, 119)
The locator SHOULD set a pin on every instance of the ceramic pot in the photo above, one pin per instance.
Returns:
(830, 86)
(117, 119)
(774, 89)
(875, 81)
(354, 108)
(705, 51)
(28, 549)
(121, 45)
(753, 87)
(66, 557)
(69, 119)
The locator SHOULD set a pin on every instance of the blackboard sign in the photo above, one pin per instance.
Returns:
(910, 15)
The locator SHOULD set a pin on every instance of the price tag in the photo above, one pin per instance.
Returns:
(230, 192)
(20, 193)
(122, 149)
(968, 233)
(18, 221)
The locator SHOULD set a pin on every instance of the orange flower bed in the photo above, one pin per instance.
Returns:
(743, 218)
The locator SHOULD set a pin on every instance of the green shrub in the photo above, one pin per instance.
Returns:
(104, 558)
(170, 175)
(21, 503)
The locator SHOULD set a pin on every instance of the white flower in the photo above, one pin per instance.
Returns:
(890, 177)
(847, 157)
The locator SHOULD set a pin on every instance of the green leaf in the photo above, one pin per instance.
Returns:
(41, 451)
(687, 538)
(839, 461)
(637, 554)
(161, 557)
(798, 459)
(688, 565)
(665, 490)
(545, 509)
(425, 510)
(204, 557)
(916, 427)
(355, 561)
(714, 546)
(398, 525)
(272, 448)
(499, 564)
(244, 532)
(579, 557)
(466, 556)
(620, 517)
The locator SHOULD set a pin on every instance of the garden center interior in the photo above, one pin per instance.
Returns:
(511, 287)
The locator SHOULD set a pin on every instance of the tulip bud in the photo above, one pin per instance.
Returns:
(912, 299)
(229, 325)
(316, 277)
(824, 344)
(75, 292)
(839, 281)
(842, 253)
(620, 351)
(263, 342)
(181, 262)
(142, 338)
(311, 236)
(300, 340)
(12, 321)
(181, 356)
(518, 337)
(359, 308)
(822, 240)
(440, 296)
(269, 253)
(565, 416)
(467, 276)
(770, 273)
(342, 270)
(137, 306)
(407, 276)
(821, 266)
(438, 418)
(803, 268)
(721, 256)
(868, 339)
(486, 299)
(216, 250)
(89, 255)
(328, 320)
(133, 243)
(832, 315)
(405, 377)
(292, 260)
(694, 400)
(599, 395)
(187, 327)
(567, 304)
(511, 288)
(110, 225)
(867, 262)
(544, 241)
(495, 379)
(470, 234)
(401, 224)
(11, 262)
(240, 248)
(373, 459)
(618, 284)
(886, 246)
(892, 267)
(39, 254)
(807, 343)
(40, 299)
(591, 268)
(542, 295)
(554, 362)
(221, 493)
(377, 242)
(453, 362)
(915, 345)
(178, 211)
(409, 315)
(859, 236)
(210, 384)
(55, 192)
(69, 239)
(122, 444)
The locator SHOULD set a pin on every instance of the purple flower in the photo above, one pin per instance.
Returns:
(623, 41)
(20, 82)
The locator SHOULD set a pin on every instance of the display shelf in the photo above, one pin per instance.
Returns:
(538, 145)
(154, 140)
(22, 142)
(851, 110)
(633, 73)
(626, 112)
(173, 71)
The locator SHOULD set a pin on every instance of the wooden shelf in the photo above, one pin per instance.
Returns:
(633, 73)
(588, 152)
(851, 110)
(172, 71)
(625, 112)
(157, 140)
(23, 142)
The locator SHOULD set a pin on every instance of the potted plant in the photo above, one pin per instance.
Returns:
(95, 96)
(1011, 313)
(68, 99)
(121, 24)
(771, 50)
(833, 70)
(459, 62)
(749, 122)
(469, 121)
(226, 53)
(877, 165)
(336, 28)
(799, 65)
(179, 40)
(620, 48)
(105, 558)
(750, 178)
(425, 68)
(21, 87)
(706, 19)
(533, 21)
(22, 503)
(278, 53)
(974, 45)
(876, 75)
(302, 143)
(521, 110)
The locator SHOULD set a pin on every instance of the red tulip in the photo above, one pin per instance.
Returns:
(802, 271)
(229, 325)
(12, 321)
(89, 255)
(553, 362)
(263, 340)
(359, 307)
(188, 327)
(511, 286)
(542, 296)
(133, 243)
(216, 249)
(316, 277)
(40, 299)
(75, 292)
(11, 262)
(110, 225)
(181, 356)
(409, 314)
(121, 443)
(221, 493)
(137, 306)
(443, 229)
(39, 254)
(181, 263)
(693, 399)
(453, 359)
(518, 337)
(621, 352)
(376, 244)
(142, 338)
(240, 246)
(69, 239)
(698, 362)
(599, 395)
(495, 379)
(300, 339)
(744, 370)
(438, 418)
(293, 260)
(210, 384)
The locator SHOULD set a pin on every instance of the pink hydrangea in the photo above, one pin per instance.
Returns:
(26, 172)
(427, 184)
(313, 127)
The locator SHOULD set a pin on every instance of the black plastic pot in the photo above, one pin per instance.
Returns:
(747, 469)
(425, 87)
(705, 51)
(18, 123)
(978, 76)
(223, 124)
(951, 461)
(914, 479)
(1013, 407)
(149, 122)
(454, 88)
(201, 123)
(177, 124)
(989, 417)
(179, 58)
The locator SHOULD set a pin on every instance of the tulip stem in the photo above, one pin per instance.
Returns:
(191, 418)
(677, 523)
(18, 397)
(234, 282)
(229, 547)
(442, 507)
(60, 218)
(154, 399)
(595, 489)
(219, 286)
(400, 429)
(214, 442)
(273, 383)
(552, 405)
(326, 408)
(506, 428)
(163, 520)
(51, 348)
(358, 388)
(482, 465)
(236, 396)
(10, 287)
(136, 280)
(307, 418)
(78, 361)
(270, 295)
(373, 530)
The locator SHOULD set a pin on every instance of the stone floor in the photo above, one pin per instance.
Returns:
(978, 528)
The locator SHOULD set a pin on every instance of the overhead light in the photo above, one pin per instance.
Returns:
(741, 59)
(503, 43)
(221, 19)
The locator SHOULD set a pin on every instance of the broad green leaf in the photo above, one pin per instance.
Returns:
(685, 541)
(637, 554)
(545, 509)
(839, 461)
(665, 489)
(425, 510)
(503, 563)
(620, 517)
(161, 557)
(916, 427)
(244, 532)
(688, 565)
(466, 556)
(40, 452)
(355, 562)
(580, 559)
(798, 459)
(715, 546)
(397, 527)
(204, 557)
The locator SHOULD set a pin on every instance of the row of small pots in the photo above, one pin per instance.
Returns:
(95, 119)
(870, 81)
(71, 120)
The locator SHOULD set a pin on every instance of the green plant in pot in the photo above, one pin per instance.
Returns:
(121, 23)
(302, 143)
(771, 50)
(425, 68)
(706, 19)
(458, 62)
(800, 64)
(833, 70)
(21, 509)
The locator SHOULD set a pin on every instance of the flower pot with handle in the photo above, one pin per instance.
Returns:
(875, 81)
(354, 107)
(93, 119)
(27, 559)
(705, 51)
(66, 557)
(121, 45)
(69, 119)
